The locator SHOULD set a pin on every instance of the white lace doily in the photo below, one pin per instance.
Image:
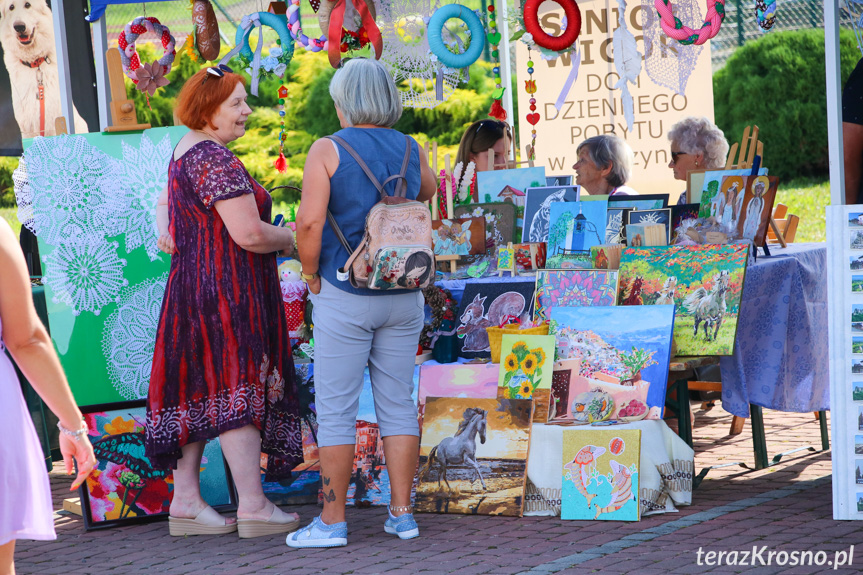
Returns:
(406, 52)
(23, 195)
(129, 337)
(141, 175)
(86, 276)
(81, 191)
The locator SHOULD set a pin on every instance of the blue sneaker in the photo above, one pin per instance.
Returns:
(404, 526)
(318, 534)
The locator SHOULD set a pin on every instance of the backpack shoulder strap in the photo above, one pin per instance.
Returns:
(340, 141)
(401, 186)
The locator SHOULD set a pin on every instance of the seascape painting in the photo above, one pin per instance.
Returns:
(623, 357)
(473, 456)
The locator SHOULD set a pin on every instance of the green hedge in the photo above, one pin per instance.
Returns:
(778, 83)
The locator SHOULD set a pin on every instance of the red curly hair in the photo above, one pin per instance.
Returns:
(201, 96)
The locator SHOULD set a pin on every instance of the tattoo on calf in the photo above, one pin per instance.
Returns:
(330, 497)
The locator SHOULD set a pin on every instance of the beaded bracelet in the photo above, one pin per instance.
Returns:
(76, 435)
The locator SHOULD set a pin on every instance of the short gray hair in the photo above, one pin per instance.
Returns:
(609, 150)
(698, 134)
(365, 92)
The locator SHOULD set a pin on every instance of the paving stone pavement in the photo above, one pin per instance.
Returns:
(786, 508)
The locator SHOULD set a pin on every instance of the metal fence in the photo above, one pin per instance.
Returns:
(740, 27)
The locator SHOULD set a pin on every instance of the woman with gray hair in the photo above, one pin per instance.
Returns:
(604, 165)
(355, 326)
(696, 143)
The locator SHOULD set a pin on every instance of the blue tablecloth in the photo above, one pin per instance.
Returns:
(781, 356)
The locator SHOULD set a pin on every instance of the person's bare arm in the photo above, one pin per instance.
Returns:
(852, 143)
(30, 345)
(428, 182)
(245, 227)
(165, 241)
(321, 163)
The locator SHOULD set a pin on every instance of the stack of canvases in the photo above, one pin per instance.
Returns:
(605, 363)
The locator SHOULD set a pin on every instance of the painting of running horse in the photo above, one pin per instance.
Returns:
(473, 456)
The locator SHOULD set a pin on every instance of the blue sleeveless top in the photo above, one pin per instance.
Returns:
(352, 194)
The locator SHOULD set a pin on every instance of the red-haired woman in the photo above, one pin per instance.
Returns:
(222, 366)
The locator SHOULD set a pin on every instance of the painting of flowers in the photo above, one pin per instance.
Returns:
(525, 365)
(124, 487)
(573, 288)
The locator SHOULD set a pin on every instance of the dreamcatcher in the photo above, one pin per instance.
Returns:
(404, 31)
(669, 64)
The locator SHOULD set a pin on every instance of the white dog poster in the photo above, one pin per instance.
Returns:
(29, 81)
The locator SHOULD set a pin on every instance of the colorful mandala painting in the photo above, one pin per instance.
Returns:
(574, 288)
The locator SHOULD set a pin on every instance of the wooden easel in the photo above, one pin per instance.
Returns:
(748, 148)
(123, 115)
(60, 128)
(448, 189)
(430, 149)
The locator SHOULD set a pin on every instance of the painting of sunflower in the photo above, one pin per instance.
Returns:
(525, 368)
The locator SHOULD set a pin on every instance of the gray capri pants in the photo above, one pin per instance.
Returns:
(350, 331)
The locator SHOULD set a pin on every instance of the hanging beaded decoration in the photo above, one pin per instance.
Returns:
(765, 14)
(493, 38)
(281, 164)
(533, 116)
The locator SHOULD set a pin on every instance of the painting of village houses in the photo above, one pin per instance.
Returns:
(508, 185)
(705, 283)
(612, 362)
(473, 456)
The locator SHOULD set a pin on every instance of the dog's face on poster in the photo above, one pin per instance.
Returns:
(26, 28)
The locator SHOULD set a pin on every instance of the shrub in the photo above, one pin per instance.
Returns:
(778, 84)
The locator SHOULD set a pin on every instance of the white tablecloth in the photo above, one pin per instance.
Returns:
(665, 476)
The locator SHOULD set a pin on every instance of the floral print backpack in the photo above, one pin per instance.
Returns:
(396, 249)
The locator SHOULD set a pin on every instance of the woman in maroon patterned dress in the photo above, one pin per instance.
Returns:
(222, 366)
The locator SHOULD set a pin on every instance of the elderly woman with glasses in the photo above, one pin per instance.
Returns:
(356, 327)
(696, 144)
(222, 365)
(604, 165)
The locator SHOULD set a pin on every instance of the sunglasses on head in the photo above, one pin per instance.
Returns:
(217, 71)
(496, 123)
(344, 61)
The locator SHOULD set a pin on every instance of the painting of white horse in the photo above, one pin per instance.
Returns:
(473, 456)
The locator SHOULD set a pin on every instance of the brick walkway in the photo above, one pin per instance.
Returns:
(786, 508)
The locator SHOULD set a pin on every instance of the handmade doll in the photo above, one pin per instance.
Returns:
(293, 292)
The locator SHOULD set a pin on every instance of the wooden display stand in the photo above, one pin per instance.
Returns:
(123, 115)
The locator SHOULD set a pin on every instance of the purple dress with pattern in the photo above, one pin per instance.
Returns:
(223, 357)
(25, 495)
